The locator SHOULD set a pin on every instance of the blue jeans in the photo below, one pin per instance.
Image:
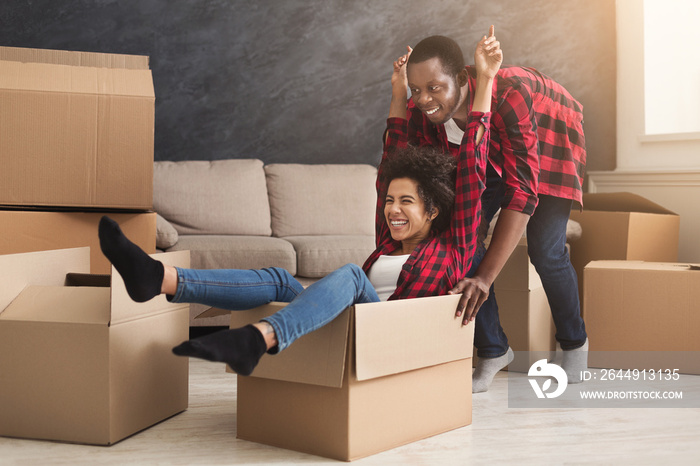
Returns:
(546, 246)
(308, 309)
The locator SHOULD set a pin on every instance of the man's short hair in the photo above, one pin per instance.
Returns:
(446, 49)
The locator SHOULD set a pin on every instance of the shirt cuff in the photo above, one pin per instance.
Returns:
(520, 202)
(397, 124)
(483, 117)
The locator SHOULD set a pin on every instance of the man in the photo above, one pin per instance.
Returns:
(536, 165)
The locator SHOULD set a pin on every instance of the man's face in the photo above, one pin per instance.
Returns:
(435, 93)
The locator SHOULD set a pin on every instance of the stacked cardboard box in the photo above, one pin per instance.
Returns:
(76, 140)
(643, 315)
(79, 363)
(623, 226)
(378, 376)
(523, 310)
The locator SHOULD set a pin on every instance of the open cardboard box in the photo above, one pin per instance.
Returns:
(77, 129)
(623, 226)
(379, 376)
(79, 360)
(35, 230)
(643, 315)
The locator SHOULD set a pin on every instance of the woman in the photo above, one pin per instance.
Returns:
(427, 215)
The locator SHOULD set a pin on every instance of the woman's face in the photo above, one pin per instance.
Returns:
(405, 211)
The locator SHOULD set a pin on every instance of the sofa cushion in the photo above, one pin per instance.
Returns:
(317, 256)
(220, 197)
(321, 199)
(237, 252)
(166, 234)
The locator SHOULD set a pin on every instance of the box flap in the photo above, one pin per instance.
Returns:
(403, 335)
(41, 77)
(212, 312)
(62, 304)
(643, 265)
(124, 309)
(64, 57)
(48, 268)
(622, 202)
(317, 358)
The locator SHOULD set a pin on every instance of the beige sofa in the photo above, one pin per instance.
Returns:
(307, 219)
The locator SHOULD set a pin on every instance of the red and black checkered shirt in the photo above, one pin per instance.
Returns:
(439, 262)
(537, 142)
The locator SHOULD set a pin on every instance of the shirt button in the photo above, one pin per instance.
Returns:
(483, 120)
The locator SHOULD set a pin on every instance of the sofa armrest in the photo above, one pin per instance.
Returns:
(166, 235)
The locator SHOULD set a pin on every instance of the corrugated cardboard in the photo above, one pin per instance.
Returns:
(379, 376)
(32, 230)
(623, 226)
(77, 129)
(635, 306)
(523, 309)
(85, 364)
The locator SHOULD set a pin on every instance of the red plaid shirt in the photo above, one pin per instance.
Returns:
(436, 265)
(537, 143)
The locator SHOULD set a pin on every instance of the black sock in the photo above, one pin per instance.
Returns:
(143, 276)
(240, 348)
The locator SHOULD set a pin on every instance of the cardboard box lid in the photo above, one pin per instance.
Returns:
(44, 298)
(643, 265)
(77, 305)
(42, 77)
(63, 57)
(47, 268)
(39, 70)
(622, 202)
(398, 336)
(317, 358)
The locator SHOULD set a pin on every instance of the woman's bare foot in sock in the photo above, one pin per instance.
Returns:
(143, 275)
(240, 348)
(169, 285)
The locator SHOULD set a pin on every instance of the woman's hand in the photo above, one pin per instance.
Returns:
(488, 55)
(399, 81)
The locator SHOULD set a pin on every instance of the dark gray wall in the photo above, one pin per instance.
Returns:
(308, 80)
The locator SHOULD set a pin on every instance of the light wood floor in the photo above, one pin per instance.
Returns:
(206, 435)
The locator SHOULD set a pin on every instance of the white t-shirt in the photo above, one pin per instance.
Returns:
(454, 134)
(385, 273)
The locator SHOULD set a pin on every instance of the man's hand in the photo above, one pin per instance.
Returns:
(474, 291)
(488, 55)
(399, 81)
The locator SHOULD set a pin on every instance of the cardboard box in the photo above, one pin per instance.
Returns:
(77, 129)
(81, 363)
(523, 310)
(623, 226)
(379, 376)
(33, 230)
(646, 310)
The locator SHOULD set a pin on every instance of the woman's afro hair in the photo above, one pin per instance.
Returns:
(433, 171)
